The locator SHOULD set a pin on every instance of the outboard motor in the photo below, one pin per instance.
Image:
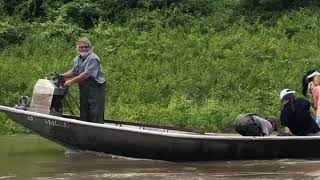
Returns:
(48, 96)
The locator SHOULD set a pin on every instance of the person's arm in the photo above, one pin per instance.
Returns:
(310, 89)
(317, 102)
(284, 120)
(68, 74)
(313, 112)
(286, 130)
(81, 77)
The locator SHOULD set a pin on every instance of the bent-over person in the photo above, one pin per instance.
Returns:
(254, 125)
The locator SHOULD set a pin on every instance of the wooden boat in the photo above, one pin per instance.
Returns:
(143, 141)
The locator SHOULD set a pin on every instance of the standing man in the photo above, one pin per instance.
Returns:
(296, 115)
(88, 73)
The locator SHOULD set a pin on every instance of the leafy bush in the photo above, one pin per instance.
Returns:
(155, 4)
(9, 7)
(85, 15)
(32, 10)
(278, 4)
(184, 63)
(60, 30)
(116, 10)
(10, 35)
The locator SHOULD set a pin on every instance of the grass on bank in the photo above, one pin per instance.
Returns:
(200, 74)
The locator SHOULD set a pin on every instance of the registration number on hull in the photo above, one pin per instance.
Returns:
(49, 122)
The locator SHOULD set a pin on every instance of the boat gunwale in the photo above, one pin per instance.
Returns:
(169, 133)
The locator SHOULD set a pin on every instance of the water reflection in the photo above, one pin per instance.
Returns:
(32, 157)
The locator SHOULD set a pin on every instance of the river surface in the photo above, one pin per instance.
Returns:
(32, 157)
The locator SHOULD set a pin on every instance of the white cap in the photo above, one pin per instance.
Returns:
(285, 92)
(316, 73)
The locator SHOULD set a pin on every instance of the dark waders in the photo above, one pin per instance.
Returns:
(91, 101)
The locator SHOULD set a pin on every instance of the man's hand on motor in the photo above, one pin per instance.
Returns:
(68, 83)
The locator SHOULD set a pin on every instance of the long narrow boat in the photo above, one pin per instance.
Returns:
(142, 141)
(44, 116)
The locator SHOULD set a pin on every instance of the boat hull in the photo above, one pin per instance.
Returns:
(162, 144)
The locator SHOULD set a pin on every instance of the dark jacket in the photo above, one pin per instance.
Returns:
(296, 116)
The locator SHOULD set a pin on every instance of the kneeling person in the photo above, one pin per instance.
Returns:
(254, 125)
(296, 115)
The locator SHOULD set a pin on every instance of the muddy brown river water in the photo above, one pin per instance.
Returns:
(32, 157)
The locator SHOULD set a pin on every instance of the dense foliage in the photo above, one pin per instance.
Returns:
(185, 63)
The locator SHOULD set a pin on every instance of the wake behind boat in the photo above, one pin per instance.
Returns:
(45, 118)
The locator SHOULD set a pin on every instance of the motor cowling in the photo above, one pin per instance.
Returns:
(48, 96)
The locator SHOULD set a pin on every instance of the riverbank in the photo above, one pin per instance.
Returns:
(195, 64)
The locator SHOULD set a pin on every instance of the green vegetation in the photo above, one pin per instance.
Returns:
(184, 63)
